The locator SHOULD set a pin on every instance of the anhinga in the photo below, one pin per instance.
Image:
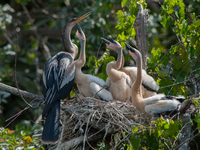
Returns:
(149, 85)
(58, 78)
(119, 83)
(87, 84)
(156, 105)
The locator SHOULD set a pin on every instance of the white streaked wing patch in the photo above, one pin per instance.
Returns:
(69, 74)
(146, 79)
(162, 106)
(149, 82)
(153, 99)
(100, 92)
(44, 80)
(133, 69)
(98, 80)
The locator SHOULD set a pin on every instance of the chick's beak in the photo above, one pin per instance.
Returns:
(105, 41)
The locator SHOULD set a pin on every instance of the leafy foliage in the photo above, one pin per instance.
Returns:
(20, 138)
(159, 135)
(175, 67)
(174, 53)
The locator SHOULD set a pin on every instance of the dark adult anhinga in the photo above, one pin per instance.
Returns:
(58, 78)
(159, 104)
(87, 84)
(119, 83)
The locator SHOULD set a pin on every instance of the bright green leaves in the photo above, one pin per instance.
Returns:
(150, 138)
(100, 64)
(124, 3)
(126, 20)
(174, 66)
(155, 54)
(134, 129)
(165, 129)
(197, 120)
(135, 143)
(165, 20)
(196, 102)
(196, 23)
(173, 13)
(120, 16)
(181, 9)
(175, 6)
(18, 139)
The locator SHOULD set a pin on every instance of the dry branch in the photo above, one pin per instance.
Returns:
(88, 118)
(14, 91)
(141, 33)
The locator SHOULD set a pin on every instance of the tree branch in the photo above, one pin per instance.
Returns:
(141, 33)
(14, 91)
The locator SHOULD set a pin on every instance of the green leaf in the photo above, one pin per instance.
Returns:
(162, 73)
(197, 120)
(196, 23)
(123, 3)
(135, 141)
(177, 63)
(134, 129)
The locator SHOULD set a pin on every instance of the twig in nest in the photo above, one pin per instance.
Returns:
(86, 130)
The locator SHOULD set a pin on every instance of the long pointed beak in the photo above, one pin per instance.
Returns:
(79, 29)
(105, 41)
(82, 17)
(111, 40)
(130, 48)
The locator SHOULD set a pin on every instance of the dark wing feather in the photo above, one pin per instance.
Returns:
(58, 79)
(50, 132)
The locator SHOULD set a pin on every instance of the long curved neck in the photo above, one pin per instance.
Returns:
(82, 58)
(138, 82)
(67, 43)
(118, 63)
(136, 91)
(80, 62)
(122, 64)
(113, 67)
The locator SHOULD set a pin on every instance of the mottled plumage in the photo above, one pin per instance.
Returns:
(58, 78)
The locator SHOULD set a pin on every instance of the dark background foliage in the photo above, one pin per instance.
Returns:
(33, 29)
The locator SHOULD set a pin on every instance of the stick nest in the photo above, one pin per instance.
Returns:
(89, 117)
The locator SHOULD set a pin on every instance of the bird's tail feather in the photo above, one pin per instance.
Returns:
(50, 132)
